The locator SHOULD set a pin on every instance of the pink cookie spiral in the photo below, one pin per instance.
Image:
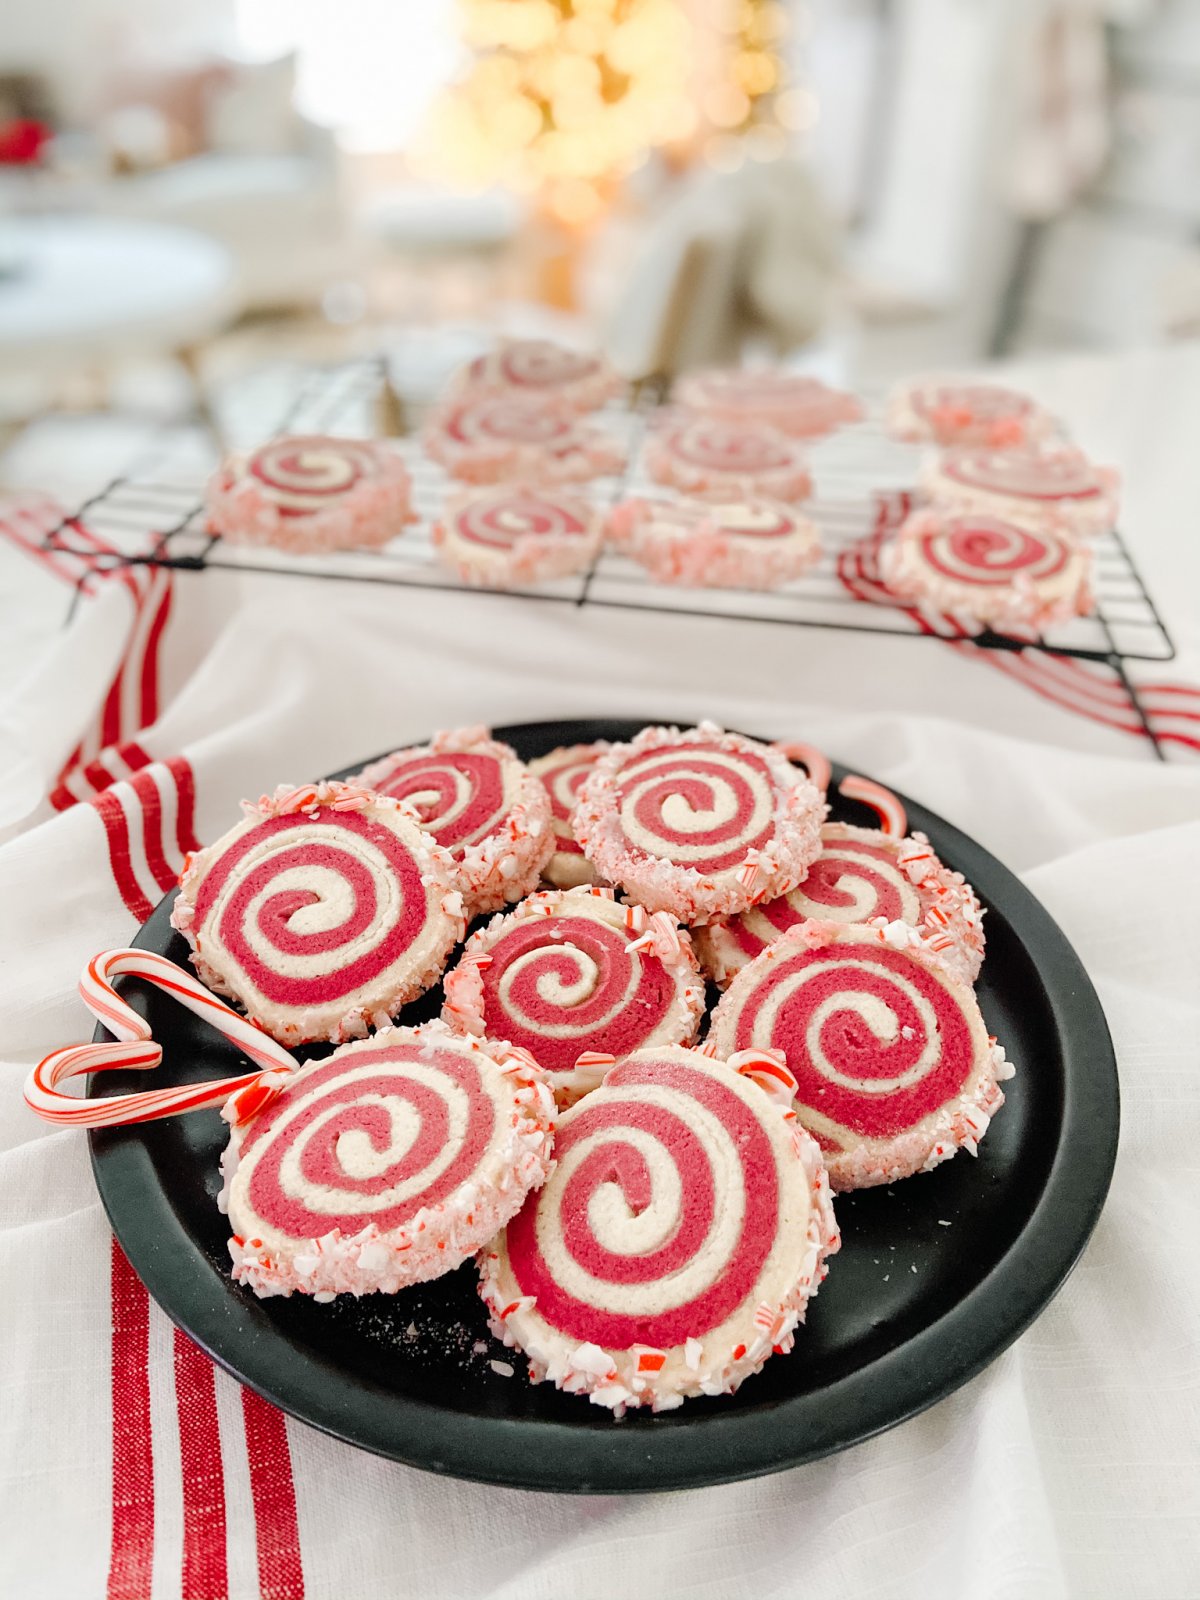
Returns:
(1028, 474)
(517, 534)
(659, 1126)
(883, 1042)
(305, 472)
(699, 823)
(489, 436)
(480, 803)
(700, 452)
(967, 414)
(498, 521)
(564, 772)
(323, 912)
(311, 492)
(860, 876)
(388, 1163)
(460, 795)
(547, 370)
(712, 541)
(988, 552)
(565, 977)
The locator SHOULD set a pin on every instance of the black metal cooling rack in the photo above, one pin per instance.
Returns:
(154, 514)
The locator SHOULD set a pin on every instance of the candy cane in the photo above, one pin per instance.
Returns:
(135, 1047)
(810, 758)
(892, 818)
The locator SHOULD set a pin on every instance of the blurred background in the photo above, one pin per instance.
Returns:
(864, 187)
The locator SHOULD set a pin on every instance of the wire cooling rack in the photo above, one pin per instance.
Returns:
(154, 514)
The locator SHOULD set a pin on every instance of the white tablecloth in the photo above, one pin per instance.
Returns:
(1070, 1467)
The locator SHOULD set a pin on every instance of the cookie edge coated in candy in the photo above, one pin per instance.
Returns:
(432, 1242)
(437, 869)
(692, 896)
(959, 1124)
(637, 1376)
(463, 1007)
(506, 865)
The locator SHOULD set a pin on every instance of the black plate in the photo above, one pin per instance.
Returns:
(912, 1307)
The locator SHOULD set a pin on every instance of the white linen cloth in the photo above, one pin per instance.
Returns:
(1071, 1467)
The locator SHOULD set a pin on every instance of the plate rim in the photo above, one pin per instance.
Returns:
(721, 1447)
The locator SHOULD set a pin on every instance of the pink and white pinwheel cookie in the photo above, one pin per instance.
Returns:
(992, 570)
(894, 1067)
(800, 406)
(516, 534)
(749, 542)
(945, 412)
(578, 981)
(698, 822)
(311, 492)
(481, 804)
(861, 875)
(498, 436)
(322, 913)
(1034, 488)
(700, 454)
(390, 1162)
(677, 1243)
(544, 371)
(563, 772)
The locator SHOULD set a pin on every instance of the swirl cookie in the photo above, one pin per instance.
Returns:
(894, 1068)
(516, 534)
(388, 1163)
(676, 1244)
(802, 407)
(502, 437)
(861, 875)
(698, 822)
(578, 981)
(311, 492)
(1034, 488)
(984, 414)
(322, 913)
(700, 454)
(544, 371)
(750, 542)
(481, 804)
(563, 772)
(996, 572)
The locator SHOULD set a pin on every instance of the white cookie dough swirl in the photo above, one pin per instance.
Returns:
(893, 1065)
(322, 913)
(698, 822)
(675, 1245)
(388, 1163)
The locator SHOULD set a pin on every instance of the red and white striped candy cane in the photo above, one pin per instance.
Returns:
(134, 1047)
(893, 819)
(810, 758)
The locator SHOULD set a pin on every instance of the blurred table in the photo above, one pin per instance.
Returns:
(80, 292)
